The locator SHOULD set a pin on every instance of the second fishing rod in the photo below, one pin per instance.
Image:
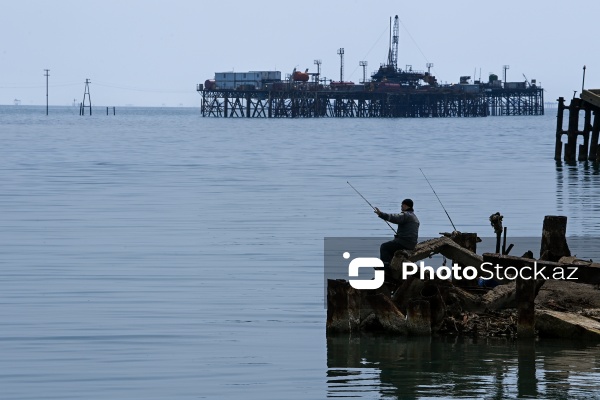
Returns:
(448, 215)
(434, 192)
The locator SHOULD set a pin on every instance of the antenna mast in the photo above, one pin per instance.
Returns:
(341, 54)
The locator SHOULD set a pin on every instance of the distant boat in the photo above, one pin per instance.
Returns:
(17, 102)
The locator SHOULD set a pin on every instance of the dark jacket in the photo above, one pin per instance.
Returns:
(408, 227)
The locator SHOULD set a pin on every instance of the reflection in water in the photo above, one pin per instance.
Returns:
(578, 196)
(404, 368)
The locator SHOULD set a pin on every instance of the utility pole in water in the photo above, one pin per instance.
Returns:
(47, 75)
(86, 93)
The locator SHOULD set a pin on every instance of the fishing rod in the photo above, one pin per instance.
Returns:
(448, 215)
(388, 224)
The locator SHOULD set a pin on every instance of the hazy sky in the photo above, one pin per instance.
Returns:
(150, 53)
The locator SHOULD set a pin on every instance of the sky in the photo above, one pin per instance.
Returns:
(154, 53)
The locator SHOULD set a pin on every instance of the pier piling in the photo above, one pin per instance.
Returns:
(593, 156)
(589, 103)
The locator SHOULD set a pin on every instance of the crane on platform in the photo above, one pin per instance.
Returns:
(393, 51)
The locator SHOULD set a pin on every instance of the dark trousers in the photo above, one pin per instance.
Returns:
(387, 251)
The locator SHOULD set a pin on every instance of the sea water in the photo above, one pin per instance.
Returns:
(156, 254)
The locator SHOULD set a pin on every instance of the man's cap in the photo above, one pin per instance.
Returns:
(408, 202)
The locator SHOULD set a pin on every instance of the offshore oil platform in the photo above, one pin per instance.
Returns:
(392, 92)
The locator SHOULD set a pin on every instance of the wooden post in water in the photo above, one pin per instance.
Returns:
(587, 128)
(595, 134)
(554, 241)
(571, 147)
(559, 128)
(553, 247)
(525, 294)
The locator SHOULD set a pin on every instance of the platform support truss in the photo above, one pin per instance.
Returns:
(350, 104)
(515, 102)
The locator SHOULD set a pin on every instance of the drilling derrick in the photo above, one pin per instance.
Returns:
(393, 52)
(390, 74)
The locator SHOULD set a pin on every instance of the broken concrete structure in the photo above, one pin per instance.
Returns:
(418, 307)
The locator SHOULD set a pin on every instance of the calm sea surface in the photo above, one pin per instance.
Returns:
(157, 254)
